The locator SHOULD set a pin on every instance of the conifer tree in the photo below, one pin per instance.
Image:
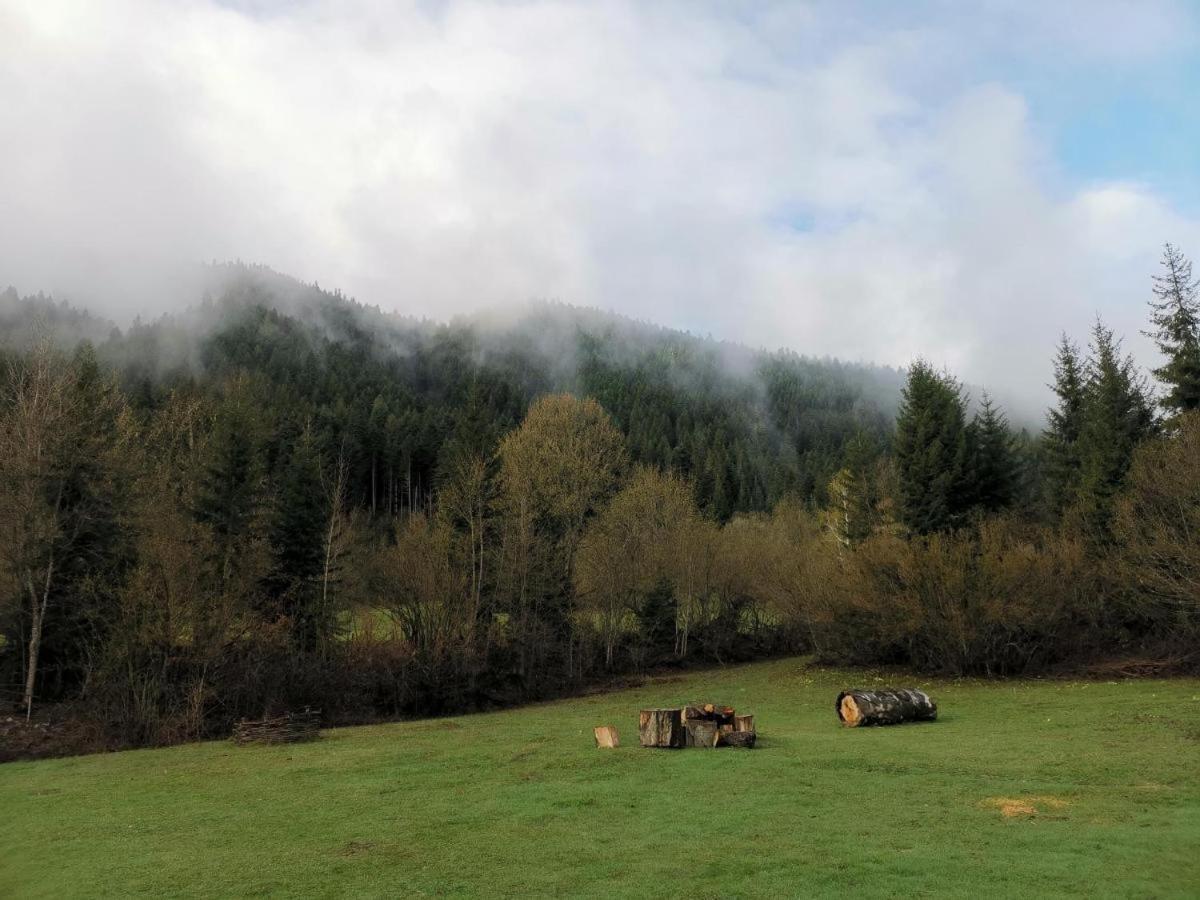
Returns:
(1117, 415)
(228, 493)
(995, 468)
(1065, 424)
(931, 450)
(854, 492)
(297, 532)
(1176, 317)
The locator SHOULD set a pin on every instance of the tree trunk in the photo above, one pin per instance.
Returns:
(701, 733)
(606, 736)
(661, 728)
(737, 739)
(886, 707)
(35, 633)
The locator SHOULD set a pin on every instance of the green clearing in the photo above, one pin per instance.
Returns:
(519, 803)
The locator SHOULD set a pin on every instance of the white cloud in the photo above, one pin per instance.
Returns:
(822, 176)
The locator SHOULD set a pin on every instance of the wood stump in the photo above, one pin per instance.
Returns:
(606, 736)
(884, 707)
(744, 739)
(661, 728)
(743, 723)
(702, 733)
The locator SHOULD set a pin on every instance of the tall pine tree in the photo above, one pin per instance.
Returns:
(1117, 415)
(1062, 461)
(931, 451)
(995, 468)
(1176, 317)
(229, 490)
(297, 533)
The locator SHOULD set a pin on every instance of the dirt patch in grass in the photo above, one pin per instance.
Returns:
(1024, 807)
(356, 848)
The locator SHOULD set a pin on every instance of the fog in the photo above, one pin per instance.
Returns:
(827, 177)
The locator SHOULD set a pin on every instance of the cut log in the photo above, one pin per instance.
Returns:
(702, 733)
(743, 723)
(606, 736)
(737, 739)
(661, 728)
(709, 712)
(886, 707)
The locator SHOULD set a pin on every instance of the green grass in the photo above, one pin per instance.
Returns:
(519, 803)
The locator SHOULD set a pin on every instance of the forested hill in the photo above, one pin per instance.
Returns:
(393, 395)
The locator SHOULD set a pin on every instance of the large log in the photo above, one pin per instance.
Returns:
(885, 707)
(737, 739)
(702, 733)
(661, 728)
(606, 736)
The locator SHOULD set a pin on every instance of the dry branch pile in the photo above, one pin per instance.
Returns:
(703, 725)
(289, 728)
(886, 707)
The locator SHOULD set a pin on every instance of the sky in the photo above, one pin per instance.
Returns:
(873, 181)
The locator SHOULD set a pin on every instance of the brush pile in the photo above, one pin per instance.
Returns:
(290, 728)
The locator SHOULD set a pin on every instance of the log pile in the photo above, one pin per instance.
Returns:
(290, 728)
(702, 725)
(885, 707)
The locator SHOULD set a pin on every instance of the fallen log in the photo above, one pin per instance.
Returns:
(606, 736)
(661, 728)
(884, 707)
(737, 739)
(702, 733)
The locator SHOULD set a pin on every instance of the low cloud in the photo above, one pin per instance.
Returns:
(824, 176)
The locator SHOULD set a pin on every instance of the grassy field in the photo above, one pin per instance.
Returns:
(1035, 788)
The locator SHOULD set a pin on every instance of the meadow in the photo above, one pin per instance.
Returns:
(1021, 788)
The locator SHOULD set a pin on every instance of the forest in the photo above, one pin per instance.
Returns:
(282, 498)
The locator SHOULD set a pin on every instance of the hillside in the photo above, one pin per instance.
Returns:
(748, 426)
(1032, 788)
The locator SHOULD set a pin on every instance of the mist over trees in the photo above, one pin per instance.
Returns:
(281, 497)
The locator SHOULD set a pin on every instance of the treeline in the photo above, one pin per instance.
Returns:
(264, 504)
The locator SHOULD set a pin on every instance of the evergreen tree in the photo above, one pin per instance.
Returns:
(658, 616)
(854, 492)
(931, 449)
(296, 535)
(995, 468)
(1062, 460)
(1176, 318)
(228, 493)
(1117, 415)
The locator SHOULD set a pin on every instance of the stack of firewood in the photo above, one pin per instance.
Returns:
(289, 728)
(696, 725)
